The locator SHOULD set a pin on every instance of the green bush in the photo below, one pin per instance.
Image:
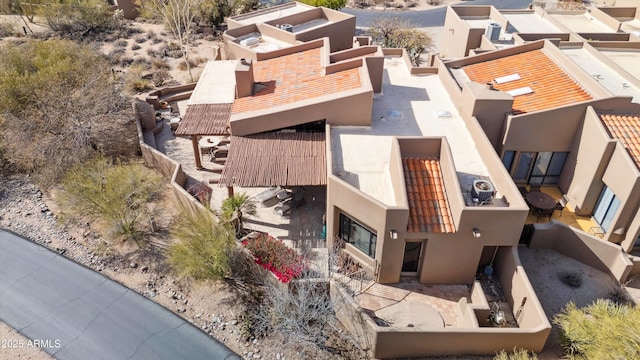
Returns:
(118, 195)
(602, 330)
(60, 106)
(517, 354)
(202, 249)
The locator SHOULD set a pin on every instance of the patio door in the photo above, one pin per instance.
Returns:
(523, 167)
(412, 257)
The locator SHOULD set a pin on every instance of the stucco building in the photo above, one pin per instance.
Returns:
(422, 166)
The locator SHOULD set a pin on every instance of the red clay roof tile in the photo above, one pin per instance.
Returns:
(551, 86)
(429, 212)
(293, 78)
(626, 128)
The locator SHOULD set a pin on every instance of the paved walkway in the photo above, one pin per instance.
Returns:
(76, 313)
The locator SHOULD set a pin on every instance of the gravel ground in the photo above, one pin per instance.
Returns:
(546, 269)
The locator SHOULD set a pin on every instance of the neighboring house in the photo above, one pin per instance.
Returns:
(422, 167)
(573, 122)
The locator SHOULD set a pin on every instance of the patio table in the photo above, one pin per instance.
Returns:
(540, 200)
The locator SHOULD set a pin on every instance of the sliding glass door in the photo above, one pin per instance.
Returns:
(606, 208)
(535, 168)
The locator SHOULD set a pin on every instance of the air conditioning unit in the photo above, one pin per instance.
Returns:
(482, 190)
(287, 27)
(493, 31)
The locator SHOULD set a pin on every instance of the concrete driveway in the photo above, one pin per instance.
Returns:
(73, 312)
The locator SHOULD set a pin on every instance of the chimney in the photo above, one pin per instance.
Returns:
(244, 78)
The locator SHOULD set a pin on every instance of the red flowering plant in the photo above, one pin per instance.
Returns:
(273, 255)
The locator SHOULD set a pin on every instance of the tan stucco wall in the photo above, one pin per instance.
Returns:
(490, 108)
(458, 38)
(578, 245)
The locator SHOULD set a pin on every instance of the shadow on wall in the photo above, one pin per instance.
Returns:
(578, 245)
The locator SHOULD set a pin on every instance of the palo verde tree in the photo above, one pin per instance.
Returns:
(81, 16)
(178, 16)
(202, 248)
(214, 12)
(60, 106)
(115, 195)
(391, 32)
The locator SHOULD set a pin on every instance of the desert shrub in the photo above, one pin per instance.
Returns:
(517, 354)
(135, 47)
(114, 194)
(60, 106)
(201, 191)
(602, 330)
(160, 64)
(7, 29)
(159, 78)
(201, 251)
(192, 63)
(134, 80)
(142, 62)
(151, 34)
(398, 4)
(80, 16)
(126, 61)
(140, 39)
(156, 40)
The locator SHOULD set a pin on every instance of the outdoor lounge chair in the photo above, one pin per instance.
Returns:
(267, 195)
(289, 204)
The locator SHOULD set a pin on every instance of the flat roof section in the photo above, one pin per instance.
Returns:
(606, 76)
(408, 106)
(551, 86)
(295, 77)
(625, 58)
(631, 26)
(530, 23)
(626, 128)
(217, 83)
(264, 43)
(312, 24)
(271, 14)
(581, 23)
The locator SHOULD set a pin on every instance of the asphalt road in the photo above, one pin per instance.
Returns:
(77, 313)
(427, 18)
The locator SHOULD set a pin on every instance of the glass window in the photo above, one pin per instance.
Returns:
(547, 168)
(507, 159)
(542, 163)
(524, 165)
(606, 208)
(358, 235)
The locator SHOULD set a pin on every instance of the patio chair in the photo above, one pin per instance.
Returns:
(561, 204)
(287, 205)
(544, 212)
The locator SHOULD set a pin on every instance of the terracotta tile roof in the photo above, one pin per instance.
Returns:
(292, 78)
(626, 128)
(276, 158)
(205, 119)
(551, 86)
(428, 205)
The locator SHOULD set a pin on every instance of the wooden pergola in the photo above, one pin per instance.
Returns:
(204, 120)
(276, 158)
